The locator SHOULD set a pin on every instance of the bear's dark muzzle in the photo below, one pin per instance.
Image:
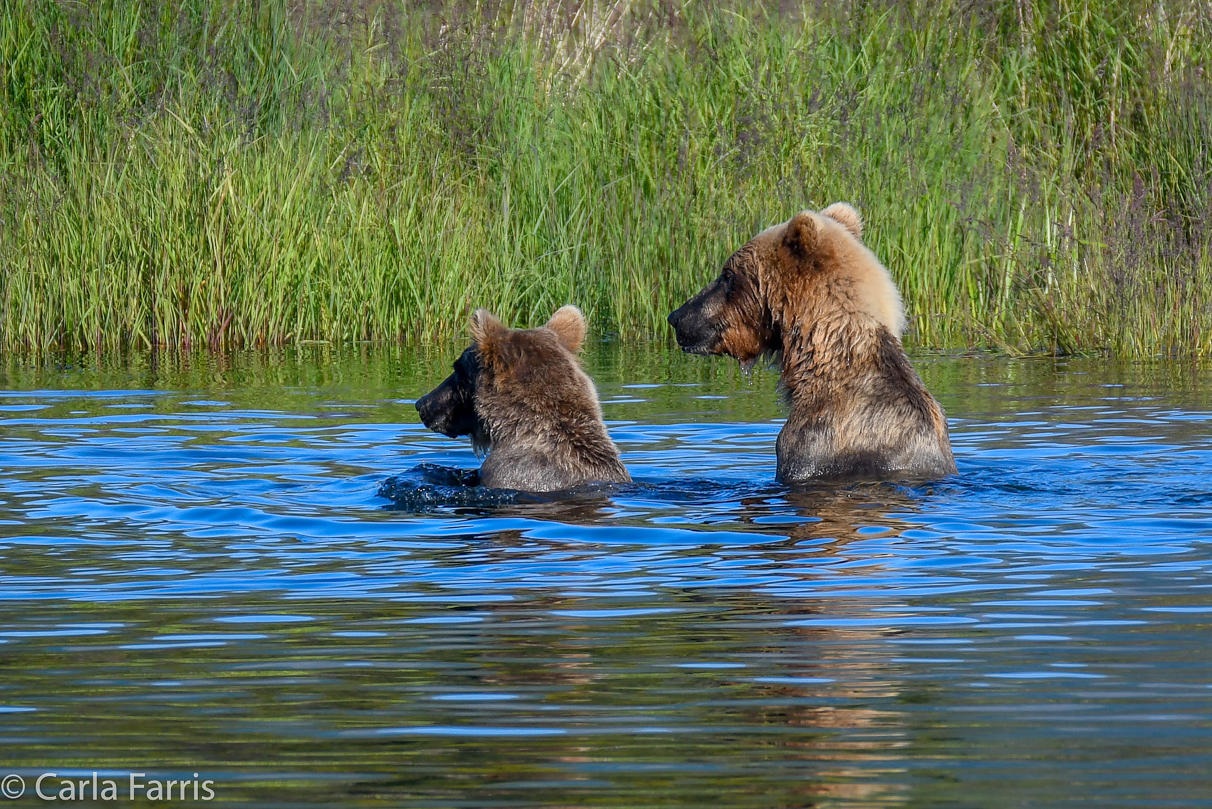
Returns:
(693, 333)
(433, 414)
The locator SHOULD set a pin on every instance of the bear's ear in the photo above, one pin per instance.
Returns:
(485, 330)
(800, 236)
(569, 325)
(845, 214)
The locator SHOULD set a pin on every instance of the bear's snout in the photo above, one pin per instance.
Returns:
(675, 319)
(448, 409)
(428, 414)
(694, 333)
(678, 319)
(438, 412)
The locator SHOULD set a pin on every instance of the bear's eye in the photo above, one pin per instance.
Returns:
(728, 281)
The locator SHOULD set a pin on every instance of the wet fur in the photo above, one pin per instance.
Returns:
(810, 292)
(526, 403)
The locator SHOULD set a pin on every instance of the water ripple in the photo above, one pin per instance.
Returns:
(261, 568)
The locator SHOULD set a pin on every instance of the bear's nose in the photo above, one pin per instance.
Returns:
(422, 406)
(674, 317)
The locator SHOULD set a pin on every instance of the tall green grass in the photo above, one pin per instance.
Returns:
(1036, 175)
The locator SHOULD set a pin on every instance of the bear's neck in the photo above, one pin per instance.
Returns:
(824, 360)
(574, 439)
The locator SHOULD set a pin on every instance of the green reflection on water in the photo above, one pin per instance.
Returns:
(392, 375)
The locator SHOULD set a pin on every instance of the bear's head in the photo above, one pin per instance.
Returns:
(815, 265)
(450, 407)
(502, 369)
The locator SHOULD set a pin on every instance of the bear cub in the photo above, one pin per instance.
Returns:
(522, 397)
(811, 293)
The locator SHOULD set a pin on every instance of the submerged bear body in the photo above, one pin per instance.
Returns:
(522, 397)
(811, 293)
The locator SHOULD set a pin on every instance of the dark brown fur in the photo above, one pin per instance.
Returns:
(522, 397)
(810, 291)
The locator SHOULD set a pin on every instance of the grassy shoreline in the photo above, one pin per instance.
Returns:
(1036, 176)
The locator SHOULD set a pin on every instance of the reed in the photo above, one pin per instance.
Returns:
(1036, 175)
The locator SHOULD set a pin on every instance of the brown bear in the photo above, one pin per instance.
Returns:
(809, 292)
(522, 397)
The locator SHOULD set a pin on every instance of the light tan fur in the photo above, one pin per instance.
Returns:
(569, 325)
(810, 292)
(844, 213)
(858, 280)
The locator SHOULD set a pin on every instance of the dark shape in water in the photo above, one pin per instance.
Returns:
(430, 486)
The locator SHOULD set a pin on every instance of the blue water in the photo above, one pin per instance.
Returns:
(197, 576)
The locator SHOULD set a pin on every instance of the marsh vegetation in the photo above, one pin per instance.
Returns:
(1035, 174)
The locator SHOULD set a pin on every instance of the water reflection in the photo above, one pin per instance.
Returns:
(197, 575)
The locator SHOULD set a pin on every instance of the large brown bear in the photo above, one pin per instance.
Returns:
(810, 291)
(522, 397)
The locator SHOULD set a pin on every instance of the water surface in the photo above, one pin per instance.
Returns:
(197, 576)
